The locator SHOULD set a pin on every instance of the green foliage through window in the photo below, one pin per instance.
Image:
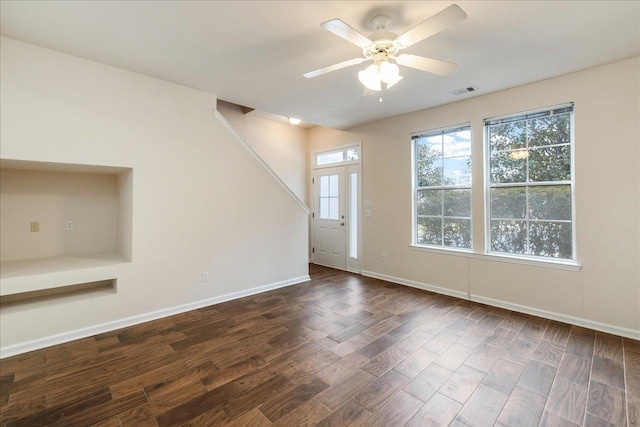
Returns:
(530, 184)
(443, 188)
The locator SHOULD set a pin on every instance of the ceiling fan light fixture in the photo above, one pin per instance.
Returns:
(383, 45)
(369, 78)
(394, 81)
(389, 72)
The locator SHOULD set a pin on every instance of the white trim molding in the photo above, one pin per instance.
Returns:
(15, 349)
(591, 324)
(261, 161)
(602, 327)
(492, 256)
(418, 285)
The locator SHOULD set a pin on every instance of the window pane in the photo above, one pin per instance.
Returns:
(531, 219)
(550, 202)
(333, 185)
(353, 154)
(326, 158)
(506, 169)
(353, 216)
(457, 233)
(333, 208)
(549, 130)
(429, 173)
(507, 136)
(509, 236)
(430, 202)
(508, 203)
(324, 186)
(429, 147)
(550, 164)
(551, 239)
(457, 203)
(457, 171)
(324, 208)
(457, 144)
(444, 160)
(430, 231)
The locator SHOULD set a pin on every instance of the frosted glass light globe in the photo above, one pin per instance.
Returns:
(369, 77)
(389, 72)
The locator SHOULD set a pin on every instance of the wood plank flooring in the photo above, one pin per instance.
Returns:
(339, 350)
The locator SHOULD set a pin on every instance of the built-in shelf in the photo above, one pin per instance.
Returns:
(54, 272)
(65, 228)
(99, 287)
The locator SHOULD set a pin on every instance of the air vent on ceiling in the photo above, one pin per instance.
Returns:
(462, 91)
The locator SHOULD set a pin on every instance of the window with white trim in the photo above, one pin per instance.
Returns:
(530, 184)
(351, 154)
(353, 215)
(328, 198)
(442, 188)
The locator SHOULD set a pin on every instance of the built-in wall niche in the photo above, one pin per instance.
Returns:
(87, 289)
(62, 224)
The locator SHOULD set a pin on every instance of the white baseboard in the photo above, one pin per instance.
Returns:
(15, 349)
(411, 283)
(603, 327)
(572, 320)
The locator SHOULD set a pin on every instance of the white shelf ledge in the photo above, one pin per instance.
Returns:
(37, 274)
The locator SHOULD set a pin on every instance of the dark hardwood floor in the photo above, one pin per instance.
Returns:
(339, 350)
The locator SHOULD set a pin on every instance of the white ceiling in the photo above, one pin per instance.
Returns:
(254, 53)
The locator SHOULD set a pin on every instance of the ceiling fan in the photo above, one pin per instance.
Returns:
(383, 46)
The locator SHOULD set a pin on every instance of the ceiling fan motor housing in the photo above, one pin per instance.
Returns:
(382, 48)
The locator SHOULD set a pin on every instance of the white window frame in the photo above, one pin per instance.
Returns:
(414, 191)
(487, 193)
(340, 149)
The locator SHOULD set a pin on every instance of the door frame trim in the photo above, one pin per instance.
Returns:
(312, 206)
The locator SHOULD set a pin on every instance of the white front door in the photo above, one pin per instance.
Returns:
(329, 231)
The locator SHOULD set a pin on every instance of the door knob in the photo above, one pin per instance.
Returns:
(342, 223)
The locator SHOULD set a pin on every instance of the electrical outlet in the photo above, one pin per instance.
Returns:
(384, 258)
(35, 227)
(205, 277)
(69, 225)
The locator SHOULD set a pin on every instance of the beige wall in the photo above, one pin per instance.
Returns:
(200, 201)
(282, 146)
(52, 198)
(607, 143)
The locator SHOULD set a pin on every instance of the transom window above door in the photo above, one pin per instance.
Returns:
(346, 155)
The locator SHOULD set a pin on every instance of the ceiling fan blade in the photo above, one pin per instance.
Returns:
(429, 65)
(438, 22)
(334, 67)
(348, 33)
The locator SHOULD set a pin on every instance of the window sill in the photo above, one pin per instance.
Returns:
(556, 264)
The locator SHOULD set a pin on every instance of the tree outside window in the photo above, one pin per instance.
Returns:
(442, 188)
(530, 184)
